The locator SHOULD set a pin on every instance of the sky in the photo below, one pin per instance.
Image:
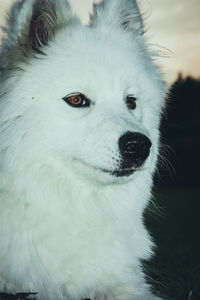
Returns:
(173, 28)
(175, 24)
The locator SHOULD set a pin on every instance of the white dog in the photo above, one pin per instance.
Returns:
(79, 127)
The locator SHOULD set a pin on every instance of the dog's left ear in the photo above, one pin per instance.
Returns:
(125, 13)
(31, 26)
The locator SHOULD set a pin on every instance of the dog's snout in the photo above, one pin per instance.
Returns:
(134, 148)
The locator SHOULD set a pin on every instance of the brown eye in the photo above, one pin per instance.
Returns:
(131, 102)
(78, 100)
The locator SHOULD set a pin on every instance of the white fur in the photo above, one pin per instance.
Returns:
(68, 230)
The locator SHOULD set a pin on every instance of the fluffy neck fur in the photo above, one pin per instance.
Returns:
(57, 209)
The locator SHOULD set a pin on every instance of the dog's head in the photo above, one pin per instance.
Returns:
(86, 98)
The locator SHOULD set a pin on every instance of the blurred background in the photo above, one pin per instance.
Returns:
(173, 217)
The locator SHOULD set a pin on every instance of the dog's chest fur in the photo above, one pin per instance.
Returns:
(82, 243)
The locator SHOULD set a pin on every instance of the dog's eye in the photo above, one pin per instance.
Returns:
(131, 102)
(77, 100)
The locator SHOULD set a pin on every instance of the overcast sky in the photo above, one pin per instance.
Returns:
(175, 24)
(172, 24)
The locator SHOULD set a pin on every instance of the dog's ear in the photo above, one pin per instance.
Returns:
(31, 25)
(120, 12)
(43, 24)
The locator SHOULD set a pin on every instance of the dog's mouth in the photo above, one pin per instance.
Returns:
(120, 172)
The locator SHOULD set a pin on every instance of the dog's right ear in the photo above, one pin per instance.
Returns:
(31, 25)
(124, 13)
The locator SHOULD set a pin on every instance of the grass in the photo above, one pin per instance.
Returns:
(174, 271)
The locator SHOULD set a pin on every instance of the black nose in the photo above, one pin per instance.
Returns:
(134, 148)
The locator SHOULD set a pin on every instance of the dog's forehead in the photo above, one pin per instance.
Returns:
(103, 64)
(111, 48)
(98, 54)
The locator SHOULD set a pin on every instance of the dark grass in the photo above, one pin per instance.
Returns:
(174, 271)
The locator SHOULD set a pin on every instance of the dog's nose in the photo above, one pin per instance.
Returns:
(134, 148)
